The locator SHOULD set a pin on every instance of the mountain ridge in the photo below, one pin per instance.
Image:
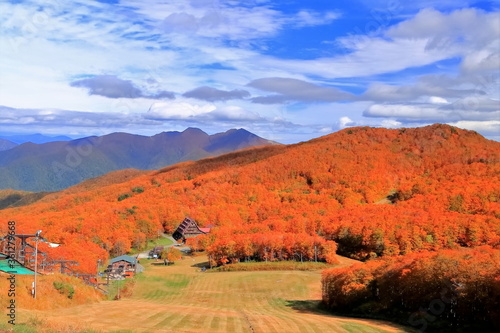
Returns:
(57, 165)
(34, 138)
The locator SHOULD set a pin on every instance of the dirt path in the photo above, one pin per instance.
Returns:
(181, 298)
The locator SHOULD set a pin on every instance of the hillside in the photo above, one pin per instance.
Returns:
(420, 206)
(57, 165)
(6, 144)
(12, 198)
(442, 183)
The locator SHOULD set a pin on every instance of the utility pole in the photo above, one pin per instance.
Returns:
(22, 253)
(97, 272)
(37, 235)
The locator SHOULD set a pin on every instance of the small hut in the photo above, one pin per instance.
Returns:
(155, 253)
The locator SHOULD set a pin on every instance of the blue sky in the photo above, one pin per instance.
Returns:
(286, 70)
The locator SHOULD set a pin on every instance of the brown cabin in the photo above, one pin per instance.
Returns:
(125, 264)
(189, 228)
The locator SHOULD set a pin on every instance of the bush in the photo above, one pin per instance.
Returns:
(171, 254)
(138, 189)
(272, 266)
(124, 196)
(64, 288)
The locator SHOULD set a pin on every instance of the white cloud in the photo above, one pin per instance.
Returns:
(442, 31)
(234, 113)
(483, 61)
(200, 113)
(478, 110)
(213, 94)
(235, 23)
(386, 93)
(437, 100)
(489, 128)
(178, 110)
(231, 20)
(401, 111)
(366, 56)
(390, 123)
(429, 37)
(407, 8)
(287, 89)
(305, 18)
(345, 122)
(473, 33)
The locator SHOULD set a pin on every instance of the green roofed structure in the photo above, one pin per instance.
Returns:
(12, 266)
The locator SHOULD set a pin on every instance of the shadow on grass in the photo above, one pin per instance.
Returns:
(205, 264)
(306, 306)
(315, 307)
(161, 263)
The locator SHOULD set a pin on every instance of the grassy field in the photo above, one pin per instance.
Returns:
(272, 266)
(181, 298)
(160, 241)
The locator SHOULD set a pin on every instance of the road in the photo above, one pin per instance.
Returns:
(145, 254)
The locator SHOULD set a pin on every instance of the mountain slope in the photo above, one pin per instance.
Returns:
(11, 198)
(57, 165)
(6, 144)
(441, 182)
(436, 236)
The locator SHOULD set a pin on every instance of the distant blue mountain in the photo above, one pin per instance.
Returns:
(35, 138)
(6, 144)
(57, 165)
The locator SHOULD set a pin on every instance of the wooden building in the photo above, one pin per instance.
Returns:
(156, 251)
(124, 265)
(189, 228)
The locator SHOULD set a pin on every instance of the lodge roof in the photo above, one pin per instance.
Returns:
(124, 257)
(189, 228)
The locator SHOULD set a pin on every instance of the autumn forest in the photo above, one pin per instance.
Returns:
(418, 207)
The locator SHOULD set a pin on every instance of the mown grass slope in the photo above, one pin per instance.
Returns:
(181, 298)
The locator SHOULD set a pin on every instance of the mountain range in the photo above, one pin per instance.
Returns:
(57, 165)
(35, 138)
